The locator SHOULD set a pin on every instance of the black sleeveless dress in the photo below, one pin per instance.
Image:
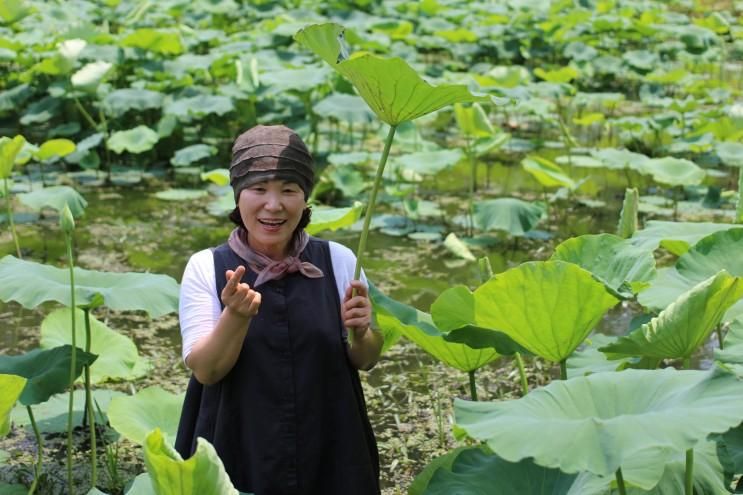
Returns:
(290, 416)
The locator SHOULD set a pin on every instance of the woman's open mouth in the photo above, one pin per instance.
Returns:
(272, 224)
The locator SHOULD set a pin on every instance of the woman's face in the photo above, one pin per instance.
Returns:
(271, 210)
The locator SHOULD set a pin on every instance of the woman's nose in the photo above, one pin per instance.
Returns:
(273, 202)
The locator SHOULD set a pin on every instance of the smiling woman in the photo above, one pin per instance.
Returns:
(265, 320)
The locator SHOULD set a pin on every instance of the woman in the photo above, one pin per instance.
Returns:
(265, 321)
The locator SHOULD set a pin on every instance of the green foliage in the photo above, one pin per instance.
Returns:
(511, 215)
(137, 140)
(324, 218)
(12, 386)
(134, 417)
(56, 197)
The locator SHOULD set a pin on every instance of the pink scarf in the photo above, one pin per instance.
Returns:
(267, 268)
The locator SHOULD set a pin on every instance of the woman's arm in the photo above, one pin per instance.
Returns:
(215, 353)
(365, 344)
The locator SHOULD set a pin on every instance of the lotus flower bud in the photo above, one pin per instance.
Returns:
(66, 220)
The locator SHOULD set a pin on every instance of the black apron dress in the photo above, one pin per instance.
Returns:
(290, 416)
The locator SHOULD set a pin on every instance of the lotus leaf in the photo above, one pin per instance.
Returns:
(8, 489)
(563, 75)
(419, 484)
(54, 148)
(326, 218)
(31, 284)
(55, 197)
(613, 260)
(547, 173)
(91, 74)
(676, 237)
(473, 121)
(14, 97)
(604, 421)
(457, 247)
(349, 181)
(199, 107)
(137, 415)
(155, 40)
(220, 176)
(673, 171)
(546, 307)
(137, 140)
(192, 154)
(300, 80)
(118, 358)
(13, 11)
(427, 162)
(120, 101)
(588, 359)
(9, 149)
(47, 371)
(618, 159)
(395, 318)
(512, 215)
(83, 147)
(343, 107)
(42, 111)
(171, 475)
(685, 324)
(392, 89)
(12, 386)
(180, 194)
(628, 224)
(142, 485)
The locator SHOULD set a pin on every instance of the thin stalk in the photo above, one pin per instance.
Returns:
(473, 179)
(68, 241)
(620, 482)
(39, 451)
(85, 114)
(6, 191)
(372, 201)
(719, 335)
(689, 475)
(473, 385)
(89, 407)
(563, 369)
(522, 373)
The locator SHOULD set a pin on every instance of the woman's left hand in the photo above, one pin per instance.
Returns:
(356, 310)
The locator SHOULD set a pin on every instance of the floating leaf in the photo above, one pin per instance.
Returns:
(137, 415)
(12, 386)
(55, 197)
(512, 215)
(137, 140)
(326, 218)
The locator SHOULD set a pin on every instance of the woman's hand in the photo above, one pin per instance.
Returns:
(356, 310)
(238, 297)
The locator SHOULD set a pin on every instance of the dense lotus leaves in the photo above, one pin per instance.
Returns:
(171, 475)
(547, 173)
(685, 324)
(9, 150)
(588, 359)
(613, 260)
(91, 75)
(512, 215)
(457, 247)
(328, 218)
(54, 148)
(41, 111)
(55, 197)
(12, 386)
(344, 107)
(14, 97)
(47, 371)
(155, 40)
(425, 162)
(673, 171)
(83, 147)
(558, 76)
(676, 237)
(120, 101)
(192, 154)
(180, 194)
(137, 415)
(392, 89)
(31, 284)
(604, 421)
(137, 140)
(395, 318)
(546, 307)
(301, 80)
(185, 109)
(118, 358)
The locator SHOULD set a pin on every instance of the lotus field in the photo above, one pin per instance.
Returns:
(544, 195)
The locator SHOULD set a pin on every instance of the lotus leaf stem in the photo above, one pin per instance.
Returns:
(564, 369)
(620, 482)
(6, 191)
(473, 385)
(39, 451)
(718, 329)
(85, 114)
(89, 406)
(689, 475)
(68, 242)
(739, 209)
(522, 373)
(473, 179)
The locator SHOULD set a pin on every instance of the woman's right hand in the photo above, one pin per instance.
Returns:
(238, 297)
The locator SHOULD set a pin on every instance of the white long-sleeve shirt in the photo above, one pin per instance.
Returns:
(199, 304)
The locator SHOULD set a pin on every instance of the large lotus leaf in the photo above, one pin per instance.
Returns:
(673, 171)
(55, 197)
(47, 371)
(676, 237)
(604, 421)
(9, 149)
(171, 475)
(142, 485)
(137, 415)
(31, 284)
(547, 172)
(512, 215)
(343, 107)
(730, 153)
(117, 354)
(349, 181)
(155, 40)
(191, 154)
(684, 325)
(588, 359)
(12, 386)
(611, 259)
(327, 218)
(199, 106)
(54, 148)
(51, 416)
(396, 318)
(732, 354)
(91, 75)
(427, 162)
(547, 307)
(618, 159)
(137, 140)
(392, 89)
(120, 101)
(301, 80)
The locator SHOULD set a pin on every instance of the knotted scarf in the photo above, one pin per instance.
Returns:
(270, 269)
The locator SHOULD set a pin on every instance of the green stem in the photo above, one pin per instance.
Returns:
(522, 373)
(473, 385)
(39, 451)
(68, 241)
(620, 482)
(92, 123)
(739, 208)
(473, 179)
(89, 407)
(689, 475)
(719, 335)
(372, 201)
(563, 369)
(6, 191)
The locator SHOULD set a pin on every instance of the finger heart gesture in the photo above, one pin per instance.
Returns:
(238, 297)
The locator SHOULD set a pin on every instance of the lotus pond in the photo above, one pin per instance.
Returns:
(545, 196)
